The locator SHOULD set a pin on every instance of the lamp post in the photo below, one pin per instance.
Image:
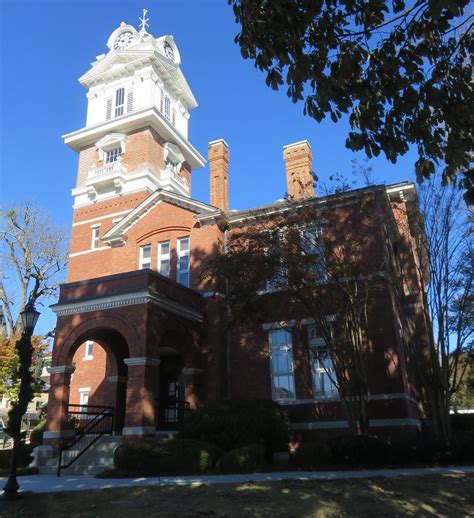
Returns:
(29, 317)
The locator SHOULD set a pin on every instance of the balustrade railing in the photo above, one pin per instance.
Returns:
(106, 169)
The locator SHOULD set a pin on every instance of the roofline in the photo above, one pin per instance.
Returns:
(115, 233)
(265, 210)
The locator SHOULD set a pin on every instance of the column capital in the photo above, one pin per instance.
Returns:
(191, 371)
(142, 360)
(60, 369)
(117, 379)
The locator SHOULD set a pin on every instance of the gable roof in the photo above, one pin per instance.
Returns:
(116, 235)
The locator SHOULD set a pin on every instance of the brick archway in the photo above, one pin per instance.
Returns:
(65, 347)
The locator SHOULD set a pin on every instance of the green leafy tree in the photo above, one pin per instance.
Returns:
(400, 71)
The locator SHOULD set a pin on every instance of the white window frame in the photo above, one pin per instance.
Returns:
(276, 349)
(180, 255)
(113, 155)
(315, 249)
(323, 387)
(164, 257)
(88, 350)
(119, 108)
(95, 237)
(141, 261)
(84, 392)
(283, 270)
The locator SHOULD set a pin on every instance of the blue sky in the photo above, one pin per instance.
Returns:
(46, 45)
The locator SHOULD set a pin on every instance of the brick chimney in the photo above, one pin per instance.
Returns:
(218, 156)
(299, 171)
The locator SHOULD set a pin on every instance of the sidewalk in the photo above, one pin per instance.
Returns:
(53, 484)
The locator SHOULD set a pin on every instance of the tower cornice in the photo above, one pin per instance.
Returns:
(150, 117)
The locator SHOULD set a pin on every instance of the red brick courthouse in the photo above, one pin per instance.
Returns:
(138, 330)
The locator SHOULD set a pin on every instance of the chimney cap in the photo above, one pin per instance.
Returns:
(218, 141)
(301, 142)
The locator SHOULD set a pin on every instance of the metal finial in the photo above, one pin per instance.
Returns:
(144, 22)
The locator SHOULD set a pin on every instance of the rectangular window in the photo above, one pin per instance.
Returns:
(280, 278)
(84, 398)
(183, 261)
(312, 249)
(113, 155)
(145, 257)
(321, 366)
(88, 350)
(119, 101)
(281, 365)
(95, 237)
(164, 258)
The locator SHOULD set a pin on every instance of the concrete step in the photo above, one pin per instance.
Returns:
(99, 457)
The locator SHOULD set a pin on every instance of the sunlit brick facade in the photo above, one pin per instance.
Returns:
(140, 330)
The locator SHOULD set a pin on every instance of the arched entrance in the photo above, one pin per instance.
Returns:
(99, 378)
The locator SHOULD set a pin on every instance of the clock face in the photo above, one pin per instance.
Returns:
(169, 53)
(123, 40)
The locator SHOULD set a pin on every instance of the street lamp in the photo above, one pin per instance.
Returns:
(29, 317)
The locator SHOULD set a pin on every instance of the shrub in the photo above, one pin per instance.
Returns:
(36, 436)
(463, 445)
(235, 423)
(404, 450)
(360, 450)
(242, 460)
(312, 454)
(178, 456)
(462, 422)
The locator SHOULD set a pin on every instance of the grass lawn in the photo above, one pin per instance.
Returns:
(430, 496)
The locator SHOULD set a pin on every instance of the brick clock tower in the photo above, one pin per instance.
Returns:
(135, 141)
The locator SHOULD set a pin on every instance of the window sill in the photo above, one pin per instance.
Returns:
(87, 358)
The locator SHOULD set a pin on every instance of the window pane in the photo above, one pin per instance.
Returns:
(283, 387)
(183, 263)
(165, 248)
(183, 245)
(164, 268)
(183, 278)
(146, 252)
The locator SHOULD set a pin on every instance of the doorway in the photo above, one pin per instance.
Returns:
(171, 403)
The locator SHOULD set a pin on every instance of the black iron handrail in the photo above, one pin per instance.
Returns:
(99, 421)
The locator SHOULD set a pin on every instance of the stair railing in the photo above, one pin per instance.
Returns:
(90, 423)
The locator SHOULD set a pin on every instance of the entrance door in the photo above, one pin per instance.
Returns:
(171, 403)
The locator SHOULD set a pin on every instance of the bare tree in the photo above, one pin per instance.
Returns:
(34, 254)
(289, 262)
(449, 295)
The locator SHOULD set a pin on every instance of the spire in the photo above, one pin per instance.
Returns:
(144, 22)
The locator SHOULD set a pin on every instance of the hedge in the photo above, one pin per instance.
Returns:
(242, 460)
(235, 423)
(175, 456)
